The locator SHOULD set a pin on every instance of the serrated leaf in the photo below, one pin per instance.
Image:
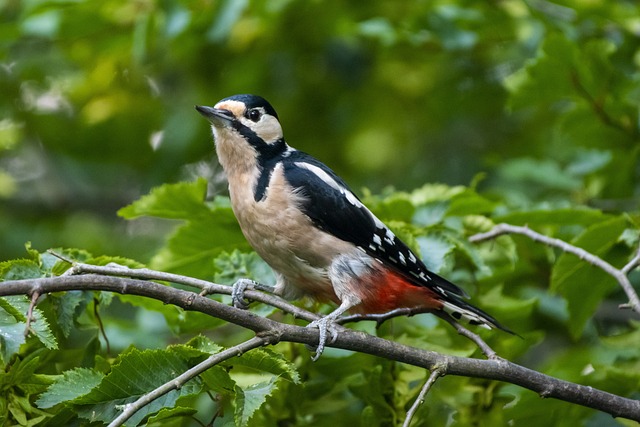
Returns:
(582, 284)
(10, 324)
(265, 360)
(136, 373)
(70, 385)
(33, 254)
(66, 304)
(204, 344)
(248, 400)
(235, 265)
(183, 200)
(19, 269)
(11, 338)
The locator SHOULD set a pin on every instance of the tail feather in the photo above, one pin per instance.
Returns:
(460, 310)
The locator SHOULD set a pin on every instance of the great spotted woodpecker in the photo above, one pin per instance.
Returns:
(318, 237)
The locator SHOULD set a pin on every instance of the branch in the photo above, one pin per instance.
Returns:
(435, 374)
(619, 274)
(382, 317)
(206, 287)
(492, 369)
(180, 380)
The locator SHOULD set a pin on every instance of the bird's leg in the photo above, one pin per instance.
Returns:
(238, 288)
(345, 273)
(327, 325)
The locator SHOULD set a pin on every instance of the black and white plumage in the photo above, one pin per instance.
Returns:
(306, 223)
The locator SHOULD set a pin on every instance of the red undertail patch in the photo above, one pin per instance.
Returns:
(384, 290)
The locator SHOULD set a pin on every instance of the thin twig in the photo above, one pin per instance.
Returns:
(34, 300)
(618, 274)
(181, 379)
(96, 313)
(382, 317)
(635, 261)
(206, 286)
(482, 345)
(435, 374)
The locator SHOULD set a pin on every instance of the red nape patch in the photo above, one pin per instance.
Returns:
(385, 290)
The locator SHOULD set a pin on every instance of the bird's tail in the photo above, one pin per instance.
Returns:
(463, 311)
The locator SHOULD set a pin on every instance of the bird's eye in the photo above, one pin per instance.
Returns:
(253, 115)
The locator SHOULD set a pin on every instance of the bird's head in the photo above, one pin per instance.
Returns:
(244, 128)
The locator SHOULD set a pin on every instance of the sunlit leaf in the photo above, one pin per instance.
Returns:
(248, 400)
(70, 385)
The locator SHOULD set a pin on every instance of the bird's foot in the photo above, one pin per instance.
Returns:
(237, 293)
(326, 326)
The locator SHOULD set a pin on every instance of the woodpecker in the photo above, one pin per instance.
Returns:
(314, 232)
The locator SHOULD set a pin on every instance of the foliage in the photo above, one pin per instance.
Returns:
(265, 387)
(532, 105)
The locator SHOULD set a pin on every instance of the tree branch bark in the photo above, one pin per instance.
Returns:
(273, 331)
(619, 274)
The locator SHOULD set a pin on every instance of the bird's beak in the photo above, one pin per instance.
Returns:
(216, 116)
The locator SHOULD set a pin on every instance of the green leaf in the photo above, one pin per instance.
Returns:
(556, 217)
(265, 360)
(235, 265)
(374, 387)
(13, 310)
(136, 373)
(435, 250)
(547, 78)
(166, 414)
(470, 203)
(218, 379)
(193, 246)
(183, 200)
(580, 283)
(70, 385)
(546, 173)
(204, 344)
(19, 269)
(65, 304)
(248, 400)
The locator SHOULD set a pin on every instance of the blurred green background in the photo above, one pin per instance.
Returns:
(534, 101)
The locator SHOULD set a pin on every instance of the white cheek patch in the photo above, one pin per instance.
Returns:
(268, 128)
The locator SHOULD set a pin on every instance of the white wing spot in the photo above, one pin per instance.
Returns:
(403, 260)
(412, 257)
(327, 179)
(389, 236)
(377, 240)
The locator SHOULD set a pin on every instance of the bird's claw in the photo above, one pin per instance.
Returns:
(325, 326)
(237, 293)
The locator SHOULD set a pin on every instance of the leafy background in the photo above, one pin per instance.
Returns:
(518, 111)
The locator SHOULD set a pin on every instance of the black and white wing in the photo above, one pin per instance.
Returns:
(333, 207)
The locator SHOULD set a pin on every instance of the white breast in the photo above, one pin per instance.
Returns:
(286, 238)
